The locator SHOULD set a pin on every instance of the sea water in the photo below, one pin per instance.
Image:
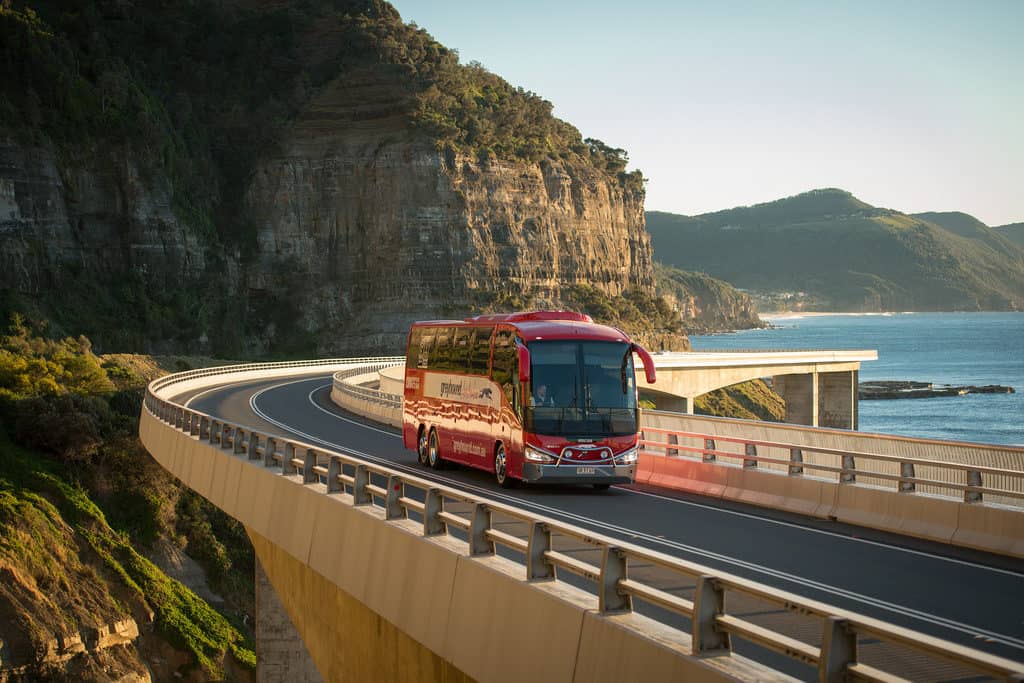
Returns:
(943, 348)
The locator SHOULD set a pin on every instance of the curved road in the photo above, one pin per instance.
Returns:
(967, 597)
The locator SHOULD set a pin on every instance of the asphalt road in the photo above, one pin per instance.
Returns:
(971, 598)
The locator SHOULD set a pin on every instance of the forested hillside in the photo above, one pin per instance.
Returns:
(827, 250)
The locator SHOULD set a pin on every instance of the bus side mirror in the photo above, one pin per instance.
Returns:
(524, 364)
(648, 362)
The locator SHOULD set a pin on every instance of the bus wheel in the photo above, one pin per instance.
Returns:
(421, 446)
(601, 487)
(500, 473)
(434, 452)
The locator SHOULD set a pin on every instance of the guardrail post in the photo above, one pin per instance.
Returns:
(796, 460)
(613, 570)
(334, 482)
(849, 474)
(269, 451)
(973, 479)
(392, 505)
(204, 428)
(479, 544)
(215, 427)
(433, 503)
(537, 567)
(287, 464)
(709, 448)
(907, 483)
(673, 439)
(749, 449)
(239, 442)
(360, 496)
(708, 603)
(309, 476)
(227, 436)
(838, 650)
(253, 451)
(193, 424)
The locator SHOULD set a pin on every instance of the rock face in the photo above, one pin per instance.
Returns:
(89, 217)
(705, 303)
(382, 228)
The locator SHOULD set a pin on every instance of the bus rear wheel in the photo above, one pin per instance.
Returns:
(500, 469)
(434, 452)
(421, 446)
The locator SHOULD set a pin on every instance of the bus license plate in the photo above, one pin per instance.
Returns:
(586, 470)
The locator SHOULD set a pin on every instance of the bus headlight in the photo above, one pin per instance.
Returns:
(534, 455)
(627, 457)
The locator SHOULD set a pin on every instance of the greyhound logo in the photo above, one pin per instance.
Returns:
(486, 393)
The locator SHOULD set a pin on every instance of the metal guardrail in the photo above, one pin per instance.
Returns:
(972, 488)
(617, 578)
(366, 393)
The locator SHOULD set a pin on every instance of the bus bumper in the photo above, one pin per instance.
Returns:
(579, 474)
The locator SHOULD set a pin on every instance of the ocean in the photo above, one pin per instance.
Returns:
(943, 348)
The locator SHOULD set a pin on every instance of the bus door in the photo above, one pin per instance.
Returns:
(505, 374)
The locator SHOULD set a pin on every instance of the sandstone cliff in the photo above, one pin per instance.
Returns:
(381, 227)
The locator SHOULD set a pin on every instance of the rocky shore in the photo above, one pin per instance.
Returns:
(911, 389)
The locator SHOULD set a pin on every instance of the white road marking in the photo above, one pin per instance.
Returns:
(967, 629)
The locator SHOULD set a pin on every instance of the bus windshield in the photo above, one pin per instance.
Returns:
(581, 389)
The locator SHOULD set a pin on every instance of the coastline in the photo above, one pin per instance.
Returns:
(795, 315)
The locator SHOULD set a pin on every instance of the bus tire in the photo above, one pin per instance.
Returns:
(434, 459)
(601, 487)
(421, 445)
(500, 469)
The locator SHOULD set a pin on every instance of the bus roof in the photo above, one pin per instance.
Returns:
(543, 325)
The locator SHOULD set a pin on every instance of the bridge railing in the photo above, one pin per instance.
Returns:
(616, 579)
(971, 482)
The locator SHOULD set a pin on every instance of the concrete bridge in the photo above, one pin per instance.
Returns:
(819, 387)
(369, 570)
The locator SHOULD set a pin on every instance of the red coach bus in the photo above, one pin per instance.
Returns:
(547, 396)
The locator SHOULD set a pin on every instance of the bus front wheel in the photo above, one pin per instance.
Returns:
(421, 446)
(500, 471)
(434, 452)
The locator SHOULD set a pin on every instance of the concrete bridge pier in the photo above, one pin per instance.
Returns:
(281, 656)
(820, 399)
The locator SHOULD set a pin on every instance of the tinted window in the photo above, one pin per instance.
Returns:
(479, 362)
(504, 366)
(441, 355)
(426, 348)
(462, 348)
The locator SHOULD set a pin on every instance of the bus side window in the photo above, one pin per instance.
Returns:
(504, 367)
(441, 355)
(462, 349)
(480, 360)
(426, 348)
(412, 354)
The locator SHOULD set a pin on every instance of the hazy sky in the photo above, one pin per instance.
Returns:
(915, 106)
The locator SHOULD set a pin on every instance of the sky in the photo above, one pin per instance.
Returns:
(910, 105)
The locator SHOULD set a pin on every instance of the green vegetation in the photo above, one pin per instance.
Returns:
(706, 304)
(1013, 232)
(81, 503)
(832, 250)
(752, 400)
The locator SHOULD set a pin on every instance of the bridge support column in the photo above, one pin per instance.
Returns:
(800, 392)
(281, 656)
(675, 404)
(837, 399)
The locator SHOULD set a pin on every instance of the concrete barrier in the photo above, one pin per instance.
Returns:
(987, 526)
